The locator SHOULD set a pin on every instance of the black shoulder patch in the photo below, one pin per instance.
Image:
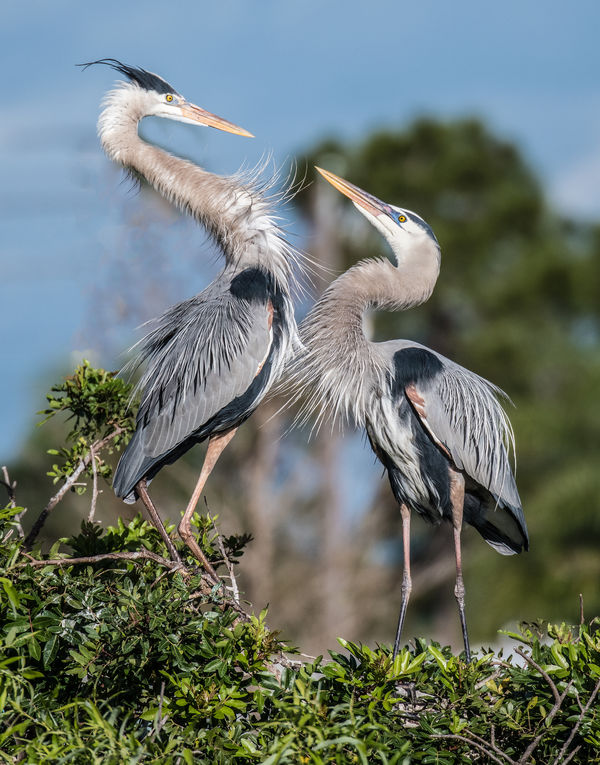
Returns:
(413, 365)
(141, 77)
(252, 285)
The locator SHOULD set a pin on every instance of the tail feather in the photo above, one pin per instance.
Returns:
(132, 467)
(501, 525)
(135, 465)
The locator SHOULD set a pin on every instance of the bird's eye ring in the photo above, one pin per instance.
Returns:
(169, 97)
(401, 218)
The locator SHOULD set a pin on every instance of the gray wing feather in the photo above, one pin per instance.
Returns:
(197, 368)
(464, 414)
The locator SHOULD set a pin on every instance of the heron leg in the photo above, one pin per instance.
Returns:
(406, 579)
(216, 444)
(141, 488)
(457, 495)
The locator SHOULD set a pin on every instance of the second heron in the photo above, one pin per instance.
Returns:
(438, 429)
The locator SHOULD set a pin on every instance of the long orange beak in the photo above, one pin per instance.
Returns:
(361, 198)
(192, 113)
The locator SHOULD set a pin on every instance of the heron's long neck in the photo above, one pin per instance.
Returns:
(341, 363)
(236, 215)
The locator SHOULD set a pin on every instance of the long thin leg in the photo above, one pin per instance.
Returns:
(216, 444)
(156, 519)
(457, 495)
(406, 580)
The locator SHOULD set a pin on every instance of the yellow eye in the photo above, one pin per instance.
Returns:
(401, 218)
(169, 97)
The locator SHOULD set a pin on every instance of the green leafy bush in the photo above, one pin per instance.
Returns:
(117, 656)
(127, 661)
(97, 402)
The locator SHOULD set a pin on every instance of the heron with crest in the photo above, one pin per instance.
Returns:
(438, 429)
(209, 360)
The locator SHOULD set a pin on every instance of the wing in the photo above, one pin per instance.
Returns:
(205, 365)
(462, 414)
(202, 355)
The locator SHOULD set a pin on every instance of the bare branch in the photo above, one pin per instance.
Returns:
(573, 753)
(234, 587)
(11, 487)
(95, 447)
(576, 727)
(545, 675)
(136, 555)
(161, 720)
(550, 716)
(92, 512)
(484, 749)
(491, 743)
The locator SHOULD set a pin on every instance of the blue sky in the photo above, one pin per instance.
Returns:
(291, 72)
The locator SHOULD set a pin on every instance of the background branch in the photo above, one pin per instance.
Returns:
(11, 487)
(92, 512)
(69, 483)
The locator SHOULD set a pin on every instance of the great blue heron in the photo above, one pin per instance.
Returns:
(438, 428)
(211, 359)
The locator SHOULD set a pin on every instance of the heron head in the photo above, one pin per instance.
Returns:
(407, 233)
(159, 99)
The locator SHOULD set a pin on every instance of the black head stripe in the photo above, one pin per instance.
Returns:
(423, 224)
(140, 77)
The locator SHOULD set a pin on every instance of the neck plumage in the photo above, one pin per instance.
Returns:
(236, 214)
(340, 363)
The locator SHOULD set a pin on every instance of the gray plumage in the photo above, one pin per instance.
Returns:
(209, 360)
(434, 425)
(200, 355)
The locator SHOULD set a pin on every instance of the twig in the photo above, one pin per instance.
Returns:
(492, 743)
(161, 721)
(234, 588)
(11, 487)
(550, 716)
(133, 556)
(544, 674)
(581, 619)
(95, 447)
(573, 753)
(92, 512)
(486, 751)
(576, 727)
(484, 682)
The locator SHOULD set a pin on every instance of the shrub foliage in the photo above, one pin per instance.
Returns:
(128, 659)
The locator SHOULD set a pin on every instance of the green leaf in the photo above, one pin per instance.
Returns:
(10, 591)
(34, 647)
(438, 656)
